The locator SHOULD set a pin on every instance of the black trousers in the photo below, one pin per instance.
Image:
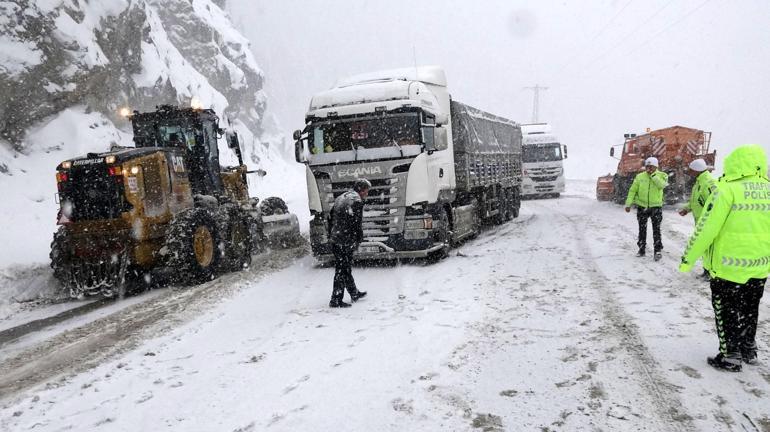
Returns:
(736, 310)
(343, 275)
(656, 214)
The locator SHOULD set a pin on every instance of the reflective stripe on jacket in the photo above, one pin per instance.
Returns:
(647, 190)
(733, 233)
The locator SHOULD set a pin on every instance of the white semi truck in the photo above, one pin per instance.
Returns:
(542, 157)
(439, 169)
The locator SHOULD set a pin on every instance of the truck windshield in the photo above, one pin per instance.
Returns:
(368, 133)
(542, 153)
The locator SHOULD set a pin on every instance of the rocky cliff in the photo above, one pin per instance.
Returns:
(108, 54)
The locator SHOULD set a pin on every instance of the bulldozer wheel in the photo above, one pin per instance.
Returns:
(203, 246)
(238, 243)
(273, 206)
(191, 246)
(60, 258)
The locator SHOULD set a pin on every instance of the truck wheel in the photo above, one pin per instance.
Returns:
(476, 219)
(509, 204)
(442, 235)
(192, 246)
(516, 202)
(273, 206)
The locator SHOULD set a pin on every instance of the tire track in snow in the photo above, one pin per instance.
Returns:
(663, 395)
(82, 348)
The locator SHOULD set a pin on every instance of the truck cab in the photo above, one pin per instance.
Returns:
(542, 160)
(391, 128)
(438, 168)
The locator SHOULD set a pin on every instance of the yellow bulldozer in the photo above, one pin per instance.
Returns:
(164, 210)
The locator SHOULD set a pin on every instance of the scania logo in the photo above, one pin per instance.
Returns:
(358, 172)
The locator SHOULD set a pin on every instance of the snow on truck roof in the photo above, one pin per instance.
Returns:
(428, 74)
(372, 92)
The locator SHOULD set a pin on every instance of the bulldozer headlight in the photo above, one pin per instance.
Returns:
(66, 165)
(109, 159)
(134, 170)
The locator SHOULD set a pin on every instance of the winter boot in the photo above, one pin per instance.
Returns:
(658, 256)
(749, 355)
(641, 252)
(731, 363)
(358, 296)
(338, 304)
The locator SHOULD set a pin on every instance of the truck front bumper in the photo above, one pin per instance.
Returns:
(532, 188)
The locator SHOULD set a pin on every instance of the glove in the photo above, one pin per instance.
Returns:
(685, 267)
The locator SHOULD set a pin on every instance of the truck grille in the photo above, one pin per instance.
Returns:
(383, 209)
(543, 174)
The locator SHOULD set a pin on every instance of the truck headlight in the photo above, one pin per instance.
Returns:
(419, 224)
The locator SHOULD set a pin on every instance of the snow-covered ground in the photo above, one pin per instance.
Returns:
(545, 323)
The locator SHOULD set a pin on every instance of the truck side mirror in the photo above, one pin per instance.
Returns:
(565, 152)
(612, 151)
(439, 138)
(297, 135)
(428, 139)
(232, 140)
(299, 151)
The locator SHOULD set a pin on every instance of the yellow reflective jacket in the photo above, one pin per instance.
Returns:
(733, 233)
(647, 190)
(704, 185)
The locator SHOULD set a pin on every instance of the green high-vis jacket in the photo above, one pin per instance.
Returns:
(733, 233)
(704, 185)
(647, 190)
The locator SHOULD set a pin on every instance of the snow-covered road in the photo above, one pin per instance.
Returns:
(545, 323)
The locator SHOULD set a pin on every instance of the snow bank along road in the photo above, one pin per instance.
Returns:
(546, 323)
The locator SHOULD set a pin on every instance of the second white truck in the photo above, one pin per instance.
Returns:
(439, 168)
(542, 157)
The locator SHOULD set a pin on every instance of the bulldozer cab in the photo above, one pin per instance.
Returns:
(195, 131)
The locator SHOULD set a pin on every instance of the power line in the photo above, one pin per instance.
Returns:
(665, 29)
(596, 36)
(650, 18)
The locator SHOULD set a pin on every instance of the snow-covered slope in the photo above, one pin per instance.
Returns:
(68, 66)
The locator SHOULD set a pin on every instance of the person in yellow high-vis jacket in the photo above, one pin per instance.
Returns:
(733, 236)
(646, 193)
(704, 185)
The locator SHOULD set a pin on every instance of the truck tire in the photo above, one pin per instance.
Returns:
(191, 246)
(516, 202)
(442, 235)
(273, 206)
(508, 206)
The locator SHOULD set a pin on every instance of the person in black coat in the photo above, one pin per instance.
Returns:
(345, 235)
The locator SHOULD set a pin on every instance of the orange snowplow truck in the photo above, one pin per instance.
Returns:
(675, 147)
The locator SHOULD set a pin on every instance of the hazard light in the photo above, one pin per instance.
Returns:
(62, 177)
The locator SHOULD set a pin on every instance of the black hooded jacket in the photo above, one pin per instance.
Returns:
(346, 219)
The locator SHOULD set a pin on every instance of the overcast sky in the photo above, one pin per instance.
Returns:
(613, 67)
